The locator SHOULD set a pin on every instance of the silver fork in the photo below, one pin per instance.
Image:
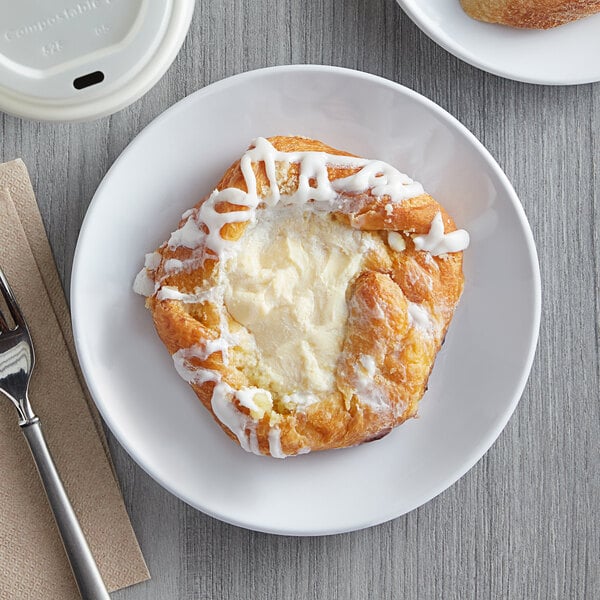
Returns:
(16, 364)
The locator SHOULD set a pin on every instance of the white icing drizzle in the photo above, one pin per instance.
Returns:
(379, 177)
(275, 443)
(396, 241)
(174, 265)
(246, 397)
(365, 386)
(253, 440)
(383, 180)
(190, 373)
(189, 235)
(300, 400)
(167, 292)
(419, 317)
(195, 375)
(143, 283)
(437, 242)
(240, 424)
(152, 260)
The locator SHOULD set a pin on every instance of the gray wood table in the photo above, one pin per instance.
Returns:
(525, 521)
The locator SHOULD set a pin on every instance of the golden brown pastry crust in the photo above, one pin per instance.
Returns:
(377, 326)
(530, 14)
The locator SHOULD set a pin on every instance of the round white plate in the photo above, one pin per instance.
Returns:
(478, 377)
(565, 55)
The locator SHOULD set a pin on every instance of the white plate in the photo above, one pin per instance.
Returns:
(565, 55)
(479, 375)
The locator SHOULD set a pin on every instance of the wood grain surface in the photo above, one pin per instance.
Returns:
(525, 521)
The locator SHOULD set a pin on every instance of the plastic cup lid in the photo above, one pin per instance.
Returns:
(71, 60)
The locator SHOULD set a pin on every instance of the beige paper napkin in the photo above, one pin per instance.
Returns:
(33, 565)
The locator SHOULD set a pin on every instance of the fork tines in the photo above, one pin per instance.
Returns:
(13, 307)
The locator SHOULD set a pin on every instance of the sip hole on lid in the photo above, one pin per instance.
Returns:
(79, 83)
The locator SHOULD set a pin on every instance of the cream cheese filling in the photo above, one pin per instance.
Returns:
(287, 286)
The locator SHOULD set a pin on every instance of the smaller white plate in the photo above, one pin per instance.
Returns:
(565, 55)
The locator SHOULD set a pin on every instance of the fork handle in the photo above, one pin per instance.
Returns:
(85, 570)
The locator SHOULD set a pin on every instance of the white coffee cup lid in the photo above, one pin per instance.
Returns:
(71, 60)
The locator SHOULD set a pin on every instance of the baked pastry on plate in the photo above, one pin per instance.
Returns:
(530, 14)
(306, 298)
